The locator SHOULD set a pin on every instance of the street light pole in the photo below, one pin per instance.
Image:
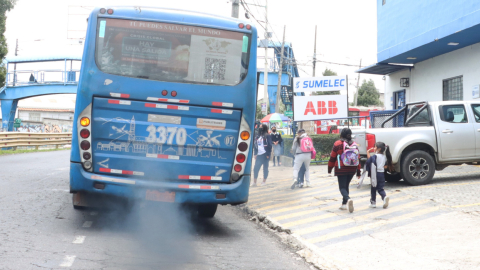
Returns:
(265, 74)
(280, 71)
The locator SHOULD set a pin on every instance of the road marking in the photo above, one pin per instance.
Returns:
(322, 195)
(317, 218)
(446, 185)
(288, 194)
(466, 205)
(68, 261)
(355, 218)
(93, 213)
(79, 239)
(371, 225)
(87, 224)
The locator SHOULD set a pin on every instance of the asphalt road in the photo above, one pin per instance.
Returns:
(39, 229)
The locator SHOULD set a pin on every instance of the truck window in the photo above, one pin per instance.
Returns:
(476, 112)
(422, 119)
(453, 114)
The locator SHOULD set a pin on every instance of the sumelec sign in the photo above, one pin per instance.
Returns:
(328, 83)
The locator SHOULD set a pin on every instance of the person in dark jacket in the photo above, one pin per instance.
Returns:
(343, 173)
(262, 153)
(277, 145)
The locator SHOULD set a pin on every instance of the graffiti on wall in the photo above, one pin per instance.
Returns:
(44, 128)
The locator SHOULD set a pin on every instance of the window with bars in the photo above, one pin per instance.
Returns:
(453, 88)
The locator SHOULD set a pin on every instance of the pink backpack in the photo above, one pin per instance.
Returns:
(306, 145)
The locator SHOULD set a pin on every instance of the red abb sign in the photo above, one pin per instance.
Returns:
(313, 108)
(322, 109)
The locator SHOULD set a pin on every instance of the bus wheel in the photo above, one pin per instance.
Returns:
(207, 210)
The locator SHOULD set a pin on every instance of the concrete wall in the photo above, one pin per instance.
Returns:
(426, 78)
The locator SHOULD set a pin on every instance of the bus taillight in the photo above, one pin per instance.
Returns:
(248, 27)
(243, 146)
(110, 11)
(102, 11)
(238, 168)
(85, 121)
(85, 145)
(87, 155)
(84, 129)
(241, 25)
(85, 133)
(245, 135)
(241, 158)
(164, 92)
(173, 93)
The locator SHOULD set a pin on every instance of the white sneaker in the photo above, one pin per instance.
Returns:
(253, 185)
(294, 184)
(307, 184)
(373, 205)
(300, 185)
(343, 207)
(385, 202)
(350, 206)
(263, 184)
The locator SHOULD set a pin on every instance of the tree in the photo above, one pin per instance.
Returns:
(368, 94)
(5, 6)
(260, 115)
(327, 72)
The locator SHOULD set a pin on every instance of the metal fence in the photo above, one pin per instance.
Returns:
(15, 139)
(377, 118)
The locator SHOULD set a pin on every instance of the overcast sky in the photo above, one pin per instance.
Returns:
(346, 29)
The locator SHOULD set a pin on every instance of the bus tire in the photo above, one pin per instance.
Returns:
(418, 168)
(207, 210)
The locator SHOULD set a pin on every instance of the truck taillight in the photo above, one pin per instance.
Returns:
(371, 140)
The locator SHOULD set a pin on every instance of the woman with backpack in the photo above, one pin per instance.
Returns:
(345, 159)
(262, 152)
(277, 145)
(303, 150)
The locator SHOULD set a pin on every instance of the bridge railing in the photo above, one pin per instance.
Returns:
(15, 139)
(47, 76)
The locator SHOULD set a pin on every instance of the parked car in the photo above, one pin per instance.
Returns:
(434, 135)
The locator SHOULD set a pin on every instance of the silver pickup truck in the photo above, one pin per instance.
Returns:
(433, 136)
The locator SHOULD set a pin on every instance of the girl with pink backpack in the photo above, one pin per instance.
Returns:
(304, 152)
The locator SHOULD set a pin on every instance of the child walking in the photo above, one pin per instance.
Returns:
(375, 166)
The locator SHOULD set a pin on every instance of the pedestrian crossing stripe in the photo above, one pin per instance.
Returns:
(317, 218)
(282, 191)
(298, 201)
(308, 192)
(370, 226)
(323, 208)
(355, 218)
(259, 189)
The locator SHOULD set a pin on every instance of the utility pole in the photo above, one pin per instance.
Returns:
(265, 74)
(315, 52)
(358, 83)
(280, 71)
(235, 8)
(15, 65)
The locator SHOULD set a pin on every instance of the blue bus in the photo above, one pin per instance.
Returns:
(165, 108)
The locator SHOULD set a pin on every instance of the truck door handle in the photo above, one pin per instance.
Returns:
(447, 131)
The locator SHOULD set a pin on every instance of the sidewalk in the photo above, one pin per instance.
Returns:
(416, 231)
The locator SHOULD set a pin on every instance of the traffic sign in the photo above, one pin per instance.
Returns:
(17, 122)
(288, 113)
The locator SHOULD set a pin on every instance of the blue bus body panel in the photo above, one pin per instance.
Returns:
(110, 119)
(137, 137)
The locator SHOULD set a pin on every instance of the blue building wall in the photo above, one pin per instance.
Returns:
(403, 25)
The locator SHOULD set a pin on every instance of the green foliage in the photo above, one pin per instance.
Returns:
(327, 72)
(323, 144)
(5, 6)
(368, 94)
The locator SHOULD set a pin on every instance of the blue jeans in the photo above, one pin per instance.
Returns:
(261, 160)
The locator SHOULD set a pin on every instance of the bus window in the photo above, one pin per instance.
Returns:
(171, 52)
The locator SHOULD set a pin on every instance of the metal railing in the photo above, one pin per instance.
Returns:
(42, 77)
(14, 139)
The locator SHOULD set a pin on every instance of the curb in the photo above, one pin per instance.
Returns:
(308, 251)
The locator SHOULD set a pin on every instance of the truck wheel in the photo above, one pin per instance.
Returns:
(207, 210)
(418, 168)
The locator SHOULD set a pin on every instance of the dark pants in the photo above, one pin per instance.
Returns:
(261, 160)
(379, 188)
(278, 160)
(301, 175)
(343, 185)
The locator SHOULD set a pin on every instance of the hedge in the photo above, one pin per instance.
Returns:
(323, 145)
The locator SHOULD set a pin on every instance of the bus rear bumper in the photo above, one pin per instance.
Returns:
(136, 189)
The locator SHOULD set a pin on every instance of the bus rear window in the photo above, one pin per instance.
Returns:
(171, 52)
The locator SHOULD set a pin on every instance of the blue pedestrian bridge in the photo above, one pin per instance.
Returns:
(36, 76)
